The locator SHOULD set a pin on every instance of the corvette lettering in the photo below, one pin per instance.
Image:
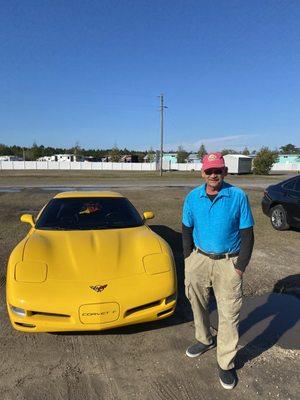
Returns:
(98, 288)
(95, 313)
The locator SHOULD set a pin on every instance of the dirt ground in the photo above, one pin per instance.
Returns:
(145, 361)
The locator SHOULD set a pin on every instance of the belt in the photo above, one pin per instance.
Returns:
(216, 256)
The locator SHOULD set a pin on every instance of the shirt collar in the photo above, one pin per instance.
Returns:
(224, 192)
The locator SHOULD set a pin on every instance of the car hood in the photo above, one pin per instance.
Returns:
(91, 255)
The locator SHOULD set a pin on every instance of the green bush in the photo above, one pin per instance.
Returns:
(264, 161)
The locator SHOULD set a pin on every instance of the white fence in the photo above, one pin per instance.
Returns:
(75, 165)
(286, 167)
(110, 166)
(167, 166)
(91, 166)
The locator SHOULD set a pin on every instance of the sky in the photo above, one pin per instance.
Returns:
(91, 72)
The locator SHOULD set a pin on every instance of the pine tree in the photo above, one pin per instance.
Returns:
(202, 151)
(115, 154)
(181, 155)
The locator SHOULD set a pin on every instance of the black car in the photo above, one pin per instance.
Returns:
(281, 203)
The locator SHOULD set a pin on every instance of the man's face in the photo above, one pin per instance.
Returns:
(214, 177)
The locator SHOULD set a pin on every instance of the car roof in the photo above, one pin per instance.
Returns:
(288, 180)
(67, 195)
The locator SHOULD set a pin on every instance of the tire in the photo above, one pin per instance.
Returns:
(278, 218)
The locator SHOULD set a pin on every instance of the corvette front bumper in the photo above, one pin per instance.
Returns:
(72, 306)
(51, 322)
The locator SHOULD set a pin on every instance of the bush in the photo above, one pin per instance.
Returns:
(264, 161)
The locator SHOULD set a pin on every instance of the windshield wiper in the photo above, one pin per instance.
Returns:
(55, 228)
(85, 228)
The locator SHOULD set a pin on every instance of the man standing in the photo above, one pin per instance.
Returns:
(217, 232)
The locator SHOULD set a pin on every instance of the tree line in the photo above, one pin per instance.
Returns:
(182, 154)
(262, 163)
(35, 151)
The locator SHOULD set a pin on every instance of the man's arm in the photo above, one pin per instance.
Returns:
(247, 242)
(187, 240)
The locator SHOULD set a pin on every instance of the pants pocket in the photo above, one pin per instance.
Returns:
(188, 259)
(187, 268)
(233, 261)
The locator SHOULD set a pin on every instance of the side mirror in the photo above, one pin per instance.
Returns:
(148, 215)
(28, 218)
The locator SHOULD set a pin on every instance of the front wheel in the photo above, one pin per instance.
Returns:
(278, 218)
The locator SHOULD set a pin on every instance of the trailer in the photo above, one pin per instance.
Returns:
(238, 164)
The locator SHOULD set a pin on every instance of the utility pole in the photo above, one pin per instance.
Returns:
(162, 107)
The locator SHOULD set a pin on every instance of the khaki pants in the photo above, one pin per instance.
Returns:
(202, 273)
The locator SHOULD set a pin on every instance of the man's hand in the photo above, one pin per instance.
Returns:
(239, 272)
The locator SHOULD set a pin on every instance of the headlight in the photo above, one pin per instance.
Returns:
(18, 311)
(157, 263)
(171, 298)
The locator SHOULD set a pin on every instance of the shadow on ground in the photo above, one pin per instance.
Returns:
(274, 320)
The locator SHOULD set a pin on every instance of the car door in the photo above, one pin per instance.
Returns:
(293, 202)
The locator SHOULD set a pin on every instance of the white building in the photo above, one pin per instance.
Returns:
(45, 158)
(10, 158)
(193, 158)
(61, 158)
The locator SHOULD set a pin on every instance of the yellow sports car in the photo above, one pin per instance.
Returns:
(89, 262)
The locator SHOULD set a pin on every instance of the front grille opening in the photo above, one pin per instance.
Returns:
(25, 325)
(143, 307)
(164, 312)
(40, 313)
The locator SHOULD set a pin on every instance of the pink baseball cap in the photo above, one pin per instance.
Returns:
(213, 160)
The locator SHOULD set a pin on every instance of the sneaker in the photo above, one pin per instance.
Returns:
(199, 348)
(227, 378)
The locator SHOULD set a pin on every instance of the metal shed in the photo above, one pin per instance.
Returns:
(238, 163)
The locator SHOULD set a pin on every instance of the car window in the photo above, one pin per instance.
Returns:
(89, 213)
(289, 185)
(297, 185)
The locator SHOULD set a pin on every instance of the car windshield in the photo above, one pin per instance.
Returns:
(84, 213)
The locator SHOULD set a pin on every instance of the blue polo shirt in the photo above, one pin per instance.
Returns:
(217, 224)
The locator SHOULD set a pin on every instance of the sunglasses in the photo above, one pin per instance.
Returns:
(216, 171)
